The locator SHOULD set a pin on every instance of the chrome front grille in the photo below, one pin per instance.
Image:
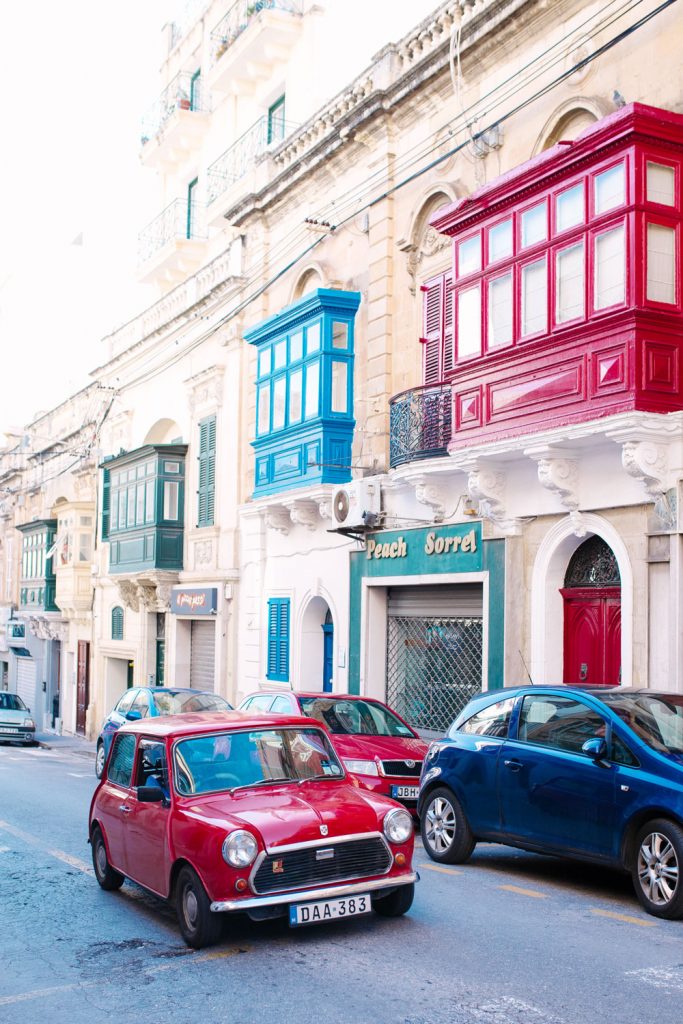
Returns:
(410, 769)
(321, 864)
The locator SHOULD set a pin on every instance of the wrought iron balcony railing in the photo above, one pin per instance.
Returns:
(236, 161)
(189, 16)
(180, 220)
(419, 424)
(233, 24)
(185, 92)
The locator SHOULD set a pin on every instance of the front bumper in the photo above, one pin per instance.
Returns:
(16, 734)
(330, 892)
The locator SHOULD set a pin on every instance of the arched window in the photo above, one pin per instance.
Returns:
(117, 623)
(593, 565)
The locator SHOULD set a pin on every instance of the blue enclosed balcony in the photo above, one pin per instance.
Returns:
(143, 509)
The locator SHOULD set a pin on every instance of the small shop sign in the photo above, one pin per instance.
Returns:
(432, 543)
(194, 601)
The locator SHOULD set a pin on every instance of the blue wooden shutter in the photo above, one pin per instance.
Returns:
(278, 639)
(207, 472)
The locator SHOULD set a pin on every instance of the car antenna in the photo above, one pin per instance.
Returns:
(526, 668)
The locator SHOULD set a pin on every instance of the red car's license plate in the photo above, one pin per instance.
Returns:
(329, 910)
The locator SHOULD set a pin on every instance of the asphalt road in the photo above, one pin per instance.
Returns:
(510, 938)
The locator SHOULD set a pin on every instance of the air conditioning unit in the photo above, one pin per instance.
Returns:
(357, 505)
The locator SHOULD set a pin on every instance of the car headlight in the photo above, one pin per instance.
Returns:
(361, 767)
(239, 849)
(29, 723)
(398, 825)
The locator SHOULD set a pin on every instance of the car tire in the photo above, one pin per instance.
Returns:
(100, 758)
(446, 834)
(107, 876)
(199, 926)
(657, 866)
(396, 903)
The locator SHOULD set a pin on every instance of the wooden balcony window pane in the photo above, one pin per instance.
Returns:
(264, 361)
(661, 263)
(469, 256)
(534, 225)
(469, 322)
(534, 298)
(279, 354)
(610, 189)
(149, 502)
(340, 378)
(312, 403)
(296, 396)
(500, 311)
(171, 492)
(500, 241)
(610, 268)
(569, 208)
(140, 504)
(570, 284)
(340, 335)
(313, 338)
(296, 346)
(660, 184)
(263, 425)
(279, 400)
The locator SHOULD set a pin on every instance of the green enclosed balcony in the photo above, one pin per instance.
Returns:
(37, 586)
(143, 509)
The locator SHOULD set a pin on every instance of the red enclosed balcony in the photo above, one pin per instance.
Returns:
(567, 300)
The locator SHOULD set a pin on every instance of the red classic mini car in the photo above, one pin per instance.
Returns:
(236, 812)
(375, 744)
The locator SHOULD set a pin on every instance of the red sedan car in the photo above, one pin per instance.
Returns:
(375, 744)
(230, 812)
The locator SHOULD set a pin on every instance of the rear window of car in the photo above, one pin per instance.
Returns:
(493, 720)
(177, 702)
(354, 717)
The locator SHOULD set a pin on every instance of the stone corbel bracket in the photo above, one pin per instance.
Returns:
(558, 472)
(277, 518)
(304, 512)
(433, 495)
(128, 592)
(486, 485)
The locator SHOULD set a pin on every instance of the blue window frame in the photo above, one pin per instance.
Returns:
(304, 392)
(278, 639)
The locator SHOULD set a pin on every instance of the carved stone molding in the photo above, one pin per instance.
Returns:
(325, 508)
(560, 475)
(145, 595)
(203, 552)
(432, 494)
(646, 461)
(277, 518)
(128, 592)
(45, 629)
(206, 389)
(487, 484)
(304, 512)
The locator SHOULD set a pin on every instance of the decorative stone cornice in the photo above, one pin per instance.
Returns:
(47, 629)
(433, 494)
(148, 593)
(277, 518)
(205, 390)
(558, 472)
(310, 509)
(487, 485)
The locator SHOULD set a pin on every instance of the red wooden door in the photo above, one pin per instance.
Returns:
(592, 635)
(82, 685)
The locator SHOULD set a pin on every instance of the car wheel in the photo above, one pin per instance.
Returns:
(446, 833)
(396, 903)
(100, 758)
(657, 867)
(198, 925)
(105, 874)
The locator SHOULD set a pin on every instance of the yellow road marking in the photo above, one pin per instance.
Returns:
(524, 892)
(437, 867)
(26, 837)
(624, 917)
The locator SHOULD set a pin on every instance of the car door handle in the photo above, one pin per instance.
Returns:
(514, 766)
(124, 808)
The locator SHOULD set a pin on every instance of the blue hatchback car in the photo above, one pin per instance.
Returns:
(595, 774)
(147, 702)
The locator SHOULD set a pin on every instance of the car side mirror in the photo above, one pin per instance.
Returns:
(133, 716)
(150, 795)
(595, 748)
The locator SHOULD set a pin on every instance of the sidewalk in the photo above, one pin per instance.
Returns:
(74, 744)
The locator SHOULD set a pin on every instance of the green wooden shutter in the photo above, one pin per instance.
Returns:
(106, 494)
(278, 639)
(207, 472)
(117, 623)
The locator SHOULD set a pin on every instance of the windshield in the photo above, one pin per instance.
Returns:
(657, 719)
(231, 760)
(11, 702)
(175, 702)
(354, 717)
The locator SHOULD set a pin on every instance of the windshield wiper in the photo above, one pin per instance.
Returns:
(262, 782)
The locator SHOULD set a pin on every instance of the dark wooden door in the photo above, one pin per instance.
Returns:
(82, 685)
(592, 635)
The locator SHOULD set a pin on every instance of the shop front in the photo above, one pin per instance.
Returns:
(427, 620)
(194, 610)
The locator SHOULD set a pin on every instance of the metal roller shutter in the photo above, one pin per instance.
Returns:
(202, 655)
(26, 681)
(434, 652)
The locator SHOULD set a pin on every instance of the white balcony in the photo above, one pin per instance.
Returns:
(173, 245)
(174, 126)
(248, 44)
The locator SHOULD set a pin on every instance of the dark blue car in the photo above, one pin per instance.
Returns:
(595, 774)
(147, 702)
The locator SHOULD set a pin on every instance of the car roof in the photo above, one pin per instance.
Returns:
(176, 689)
(313, 693)
(491, 696)
(196, 723)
